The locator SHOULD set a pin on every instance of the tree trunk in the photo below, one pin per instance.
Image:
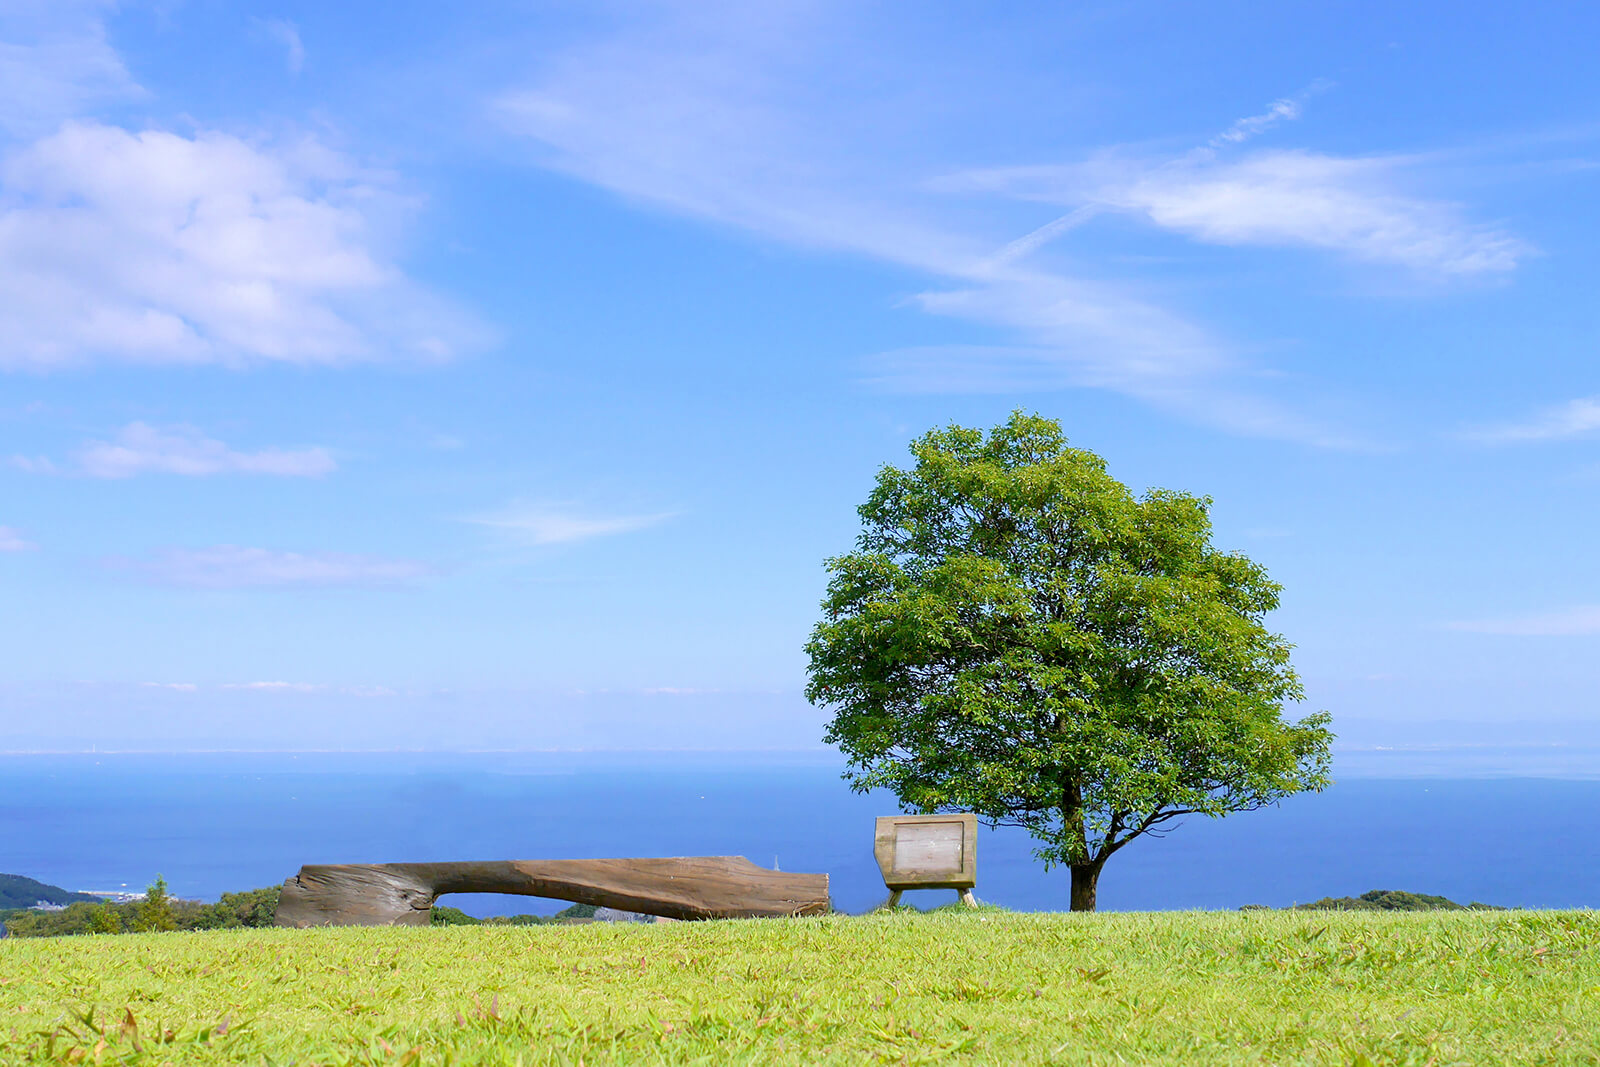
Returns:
(1085, 877)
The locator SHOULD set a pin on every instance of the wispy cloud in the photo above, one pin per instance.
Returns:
(716, 112)
(1577, 621)
(54, 62)
(1353, 206)
(286, 34)
(1575, 418)
(238, 567)
(692, 116)
(11, 540)
(553, 525)
(1286, 109)
(177, 687)
(1248, 127)
(142, 449)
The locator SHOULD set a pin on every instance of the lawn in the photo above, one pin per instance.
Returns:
(981, 986)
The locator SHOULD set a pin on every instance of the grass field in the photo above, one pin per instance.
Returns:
(984, 986)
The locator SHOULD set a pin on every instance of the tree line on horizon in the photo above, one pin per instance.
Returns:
(157, 911)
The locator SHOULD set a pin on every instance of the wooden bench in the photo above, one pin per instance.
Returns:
(684, 887)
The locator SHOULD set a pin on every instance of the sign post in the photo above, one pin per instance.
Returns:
(928, 852)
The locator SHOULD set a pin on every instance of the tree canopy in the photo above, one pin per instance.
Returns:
(1019, 636)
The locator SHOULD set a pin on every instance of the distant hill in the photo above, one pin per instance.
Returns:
(1392, 901)
(19, 892)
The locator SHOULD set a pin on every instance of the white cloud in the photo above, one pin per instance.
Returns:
(208, 247)
(1568, 622)
(54, 62)
(287, 34)
(1354, 206)
(158, 248)
(140, 449)
(180, 687)
(238, 567)
(1286, 109)
(11, 540)
(558, 525)
(1575, 418)
(698, 115)
(1248, 127)
(724, 113)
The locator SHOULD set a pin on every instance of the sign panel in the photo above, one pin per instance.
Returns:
(928, 846)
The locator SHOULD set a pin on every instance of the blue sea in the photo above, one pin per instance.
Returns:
(212, 823)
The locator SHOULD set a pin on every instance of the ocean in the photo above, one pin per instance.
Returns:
(211, 823)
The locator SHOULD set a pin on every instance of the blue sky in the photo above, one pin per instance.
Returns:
(408, 375)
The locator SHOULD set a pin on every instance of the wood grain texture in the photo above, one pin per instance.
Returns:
(684, 887)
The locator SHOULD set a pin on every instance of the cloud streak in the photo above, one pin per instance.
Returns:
(552, 525)
(718, 113)
(183, 450)
(1250, 126)
(1350, 206)
(1582, 620)
(55, 61)
(1575, 418)
(1286, 109)
(286, 34)
(695, 116)
(240, 567)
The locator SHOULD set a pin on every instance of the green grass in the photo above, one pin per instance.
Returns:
(982, 987)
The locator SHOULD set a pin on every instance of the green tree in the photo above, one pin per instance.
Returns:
(103, 920)
(154, 912)
(253, 907)
(1019, 636)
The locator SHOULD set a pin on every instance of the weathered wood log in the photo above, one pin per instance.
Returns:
(685, 887)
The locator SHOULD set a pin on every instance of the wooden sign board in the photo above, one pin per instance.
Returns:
(928, 852)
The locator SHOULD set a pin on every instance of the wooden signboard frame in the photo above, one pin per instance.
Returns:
(928, 852)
